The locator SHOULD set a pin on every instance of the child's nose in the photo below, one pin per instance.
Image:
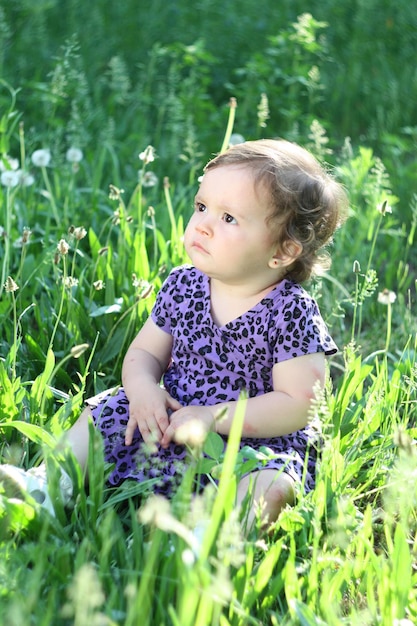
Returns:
(204, 225)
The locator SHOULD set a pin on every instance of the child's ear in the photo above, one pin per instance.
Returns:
(286, 254)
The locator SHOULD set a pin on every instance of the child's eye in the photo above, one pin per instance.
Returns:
(200, 207)
(229, 219)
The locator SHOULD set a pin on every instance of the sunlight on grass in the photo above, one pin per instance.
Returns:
(81, 263)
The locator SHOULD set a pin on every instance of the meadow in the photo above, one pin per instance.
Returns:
(103, 135)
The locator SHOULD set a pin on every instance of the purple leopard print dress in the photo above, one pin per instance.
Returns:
(212, 364)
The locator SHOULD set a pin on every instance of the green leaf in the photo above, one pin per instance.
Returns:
(206, 465)
(116, 307)
(213, 446)
(15, 516)
(306, 616)
(33, 432)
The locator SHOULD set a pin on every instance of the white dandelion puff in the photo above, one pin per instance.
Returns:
(41, 157)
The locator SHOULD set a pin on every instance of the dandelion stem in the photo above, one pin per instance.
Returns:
(174, 233)
(230, 124)
(373, 244)
(6, 259)
(355, 307)
(138, 194)
(50, 192)
(389, 323)
(13, 366)
(371, 254)
(61, 306)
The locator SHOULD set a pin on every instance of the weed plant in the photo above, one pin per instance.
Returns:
(87, 236)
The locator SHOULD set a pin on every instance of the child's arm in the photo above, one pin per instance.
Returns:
(279, 412)
(146, 360)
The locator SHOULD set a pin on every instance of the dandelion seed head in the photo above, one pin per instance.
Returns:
(235, 139)
(10, 178)
(387, 297)
(74, 155)
(25, 178)
(8, 163)
(41, 157)
(147, 179)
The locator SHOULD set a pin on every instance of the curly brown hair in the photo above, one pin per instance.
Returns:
(307, 204)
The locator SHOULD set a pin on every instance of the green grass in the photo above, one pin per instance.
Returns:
(345, 553)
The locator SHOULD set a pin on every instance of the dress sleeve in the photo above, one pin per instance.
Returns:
(170, 301)
(161, 312)
(299, 329)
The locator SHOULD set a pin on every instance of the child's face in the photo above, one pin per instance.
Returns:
(228, 237)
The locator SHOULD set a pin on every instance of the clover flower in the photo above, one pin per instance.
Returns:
(41, 157)
(115, 193)
(26, 235)
(79, 233)
(62, 247)
(74, 155)
(24, 239)
(98, 285)
(143, 287)
(383, 207)
(9, 178)
(10, 285)
(70, 282)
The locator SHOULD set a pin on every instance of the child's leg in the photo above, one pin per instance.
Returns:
(77, 437)
(16, 482)
(270, 491)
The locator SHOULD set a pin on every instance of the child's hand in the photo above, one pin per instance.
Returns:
(186, 414)
(148, 411)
